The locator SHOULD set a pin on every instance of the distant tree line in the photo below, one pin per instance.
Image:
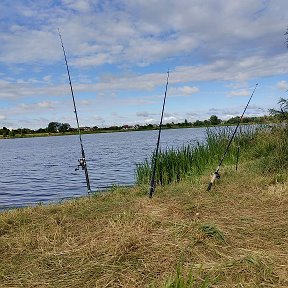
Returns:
(58, 128)
(53, 127)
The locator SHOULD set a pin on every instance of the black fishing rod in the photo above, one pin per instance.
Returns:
(152, 182)
(82, 161)
(216, 174)
(238, 153)
(237, 158)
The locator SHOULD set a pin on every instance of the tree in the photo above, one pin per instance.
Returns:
(53, 127)
(214, 120)
(281, 114)
(64, 127)
(206, 122)
(4, 131)
(233, 120)
(198, 123)
(41, 130)
(12, 133)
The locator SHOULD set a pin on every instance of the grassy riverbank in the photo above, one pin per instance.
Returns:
(234, 236)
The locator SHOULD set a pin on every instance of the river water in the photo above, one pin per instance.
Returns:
(42, 170)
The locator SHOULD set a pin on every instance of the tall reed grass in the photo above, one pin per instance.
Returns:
(271, 148)
(173, 165)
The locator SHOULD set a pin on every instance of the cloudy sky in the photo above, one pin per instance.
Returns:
(119, 52)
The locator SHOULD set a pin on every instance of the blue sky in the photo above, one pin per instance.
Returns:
(119, 52)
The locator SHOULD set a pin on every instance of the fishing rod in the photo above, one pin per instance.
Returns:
(237, 158)
(82, 161)
(238, 154)
(152, 182)
(216, 174)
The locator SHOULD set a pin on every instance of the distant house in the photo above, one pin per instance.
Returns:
(126, 127)
(86, 129)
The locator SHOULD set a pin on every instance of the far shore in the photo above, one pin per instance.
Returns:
(109, 130)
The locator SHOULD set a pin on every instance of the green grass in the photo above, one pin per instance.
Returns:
(271, 148)
(212, 231)
(184, 281)
(174, 165)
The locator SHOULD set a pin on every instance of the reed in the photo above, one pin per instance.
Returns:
(271, 148)
(174, 165)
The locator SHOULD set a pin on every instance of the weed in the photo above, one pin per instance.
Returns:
(212, 231)
(189, 281)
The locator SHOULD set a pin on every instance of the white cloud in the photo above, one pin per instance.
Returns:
(138, 31)
(84, 102)
(25, 45)
(229, 112)
(170, 119)
(98, 118)
(143, 114)
(36, 106)
(11, 90)
(183, 91)
(151, 121)
(223, 70)
(242, 92)
(282, 85)
(46, 104)
(78, 5)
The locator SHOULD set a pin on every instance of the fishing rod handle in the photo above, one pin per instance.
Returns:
(151, 191)
(214, 177)
(211, 182)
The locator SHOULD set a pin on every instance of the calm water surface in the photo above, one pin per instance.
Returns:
(42, 170)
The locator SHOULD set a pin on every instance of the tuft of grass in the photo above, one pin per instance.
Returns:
(190, 281)
(212, 231)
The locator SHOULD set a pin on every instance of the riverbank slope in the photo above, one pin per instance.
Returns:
(234, 236)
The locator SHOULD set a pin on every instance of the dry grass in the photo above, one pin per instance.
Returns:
(125, 239)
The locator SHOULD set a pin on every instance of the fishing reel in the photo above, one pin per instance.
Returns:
(217, 175)
(82, 164)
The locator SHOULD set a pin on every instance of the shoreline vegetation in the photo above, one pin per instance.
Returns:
(61, 129)
(234, 236)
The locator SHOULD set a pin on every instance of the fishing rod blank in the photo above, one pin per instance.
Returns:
(216, 174)
(152, 182)
(237, 158)
(238, 153)
(82, 161)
